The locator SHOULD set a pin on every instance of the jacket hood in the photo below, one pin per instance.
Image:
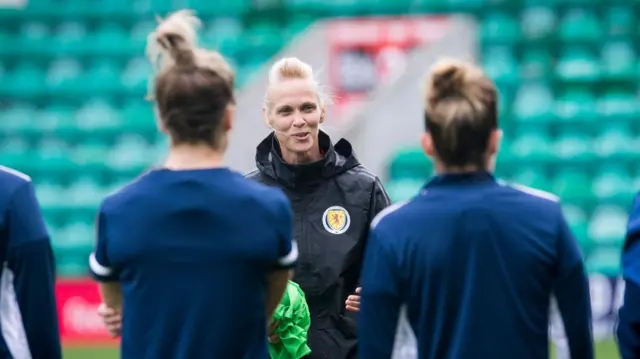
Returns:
(337, 160)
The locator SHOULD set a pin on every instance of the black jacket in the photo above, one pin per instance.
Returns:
(334, 201)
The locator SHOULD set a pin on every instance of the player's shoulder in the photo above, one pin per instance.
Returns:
(388, 216)
(546, 204)
(268, 197)
(122, 194)
(254, 174)
(11, 180)
(10, 175)
(531, 194)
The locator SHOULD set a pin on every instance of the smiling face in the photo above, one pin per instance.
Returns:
(295, 113)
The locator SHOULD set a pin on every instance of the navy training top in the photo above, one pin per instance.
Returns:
(28, 313)
(476, 263)
(192, 250)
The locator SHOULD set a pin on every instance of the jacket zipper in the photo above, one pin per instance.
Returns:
(307, 242)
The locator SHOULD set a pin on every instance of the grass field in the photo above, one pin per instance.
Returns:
(604, 350)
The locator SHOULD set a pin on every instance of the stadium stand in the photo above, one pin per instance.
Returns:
(568, 72)
(73, 80)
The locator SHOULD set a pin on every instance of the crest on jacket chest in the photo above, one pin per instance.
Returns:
(336, 220)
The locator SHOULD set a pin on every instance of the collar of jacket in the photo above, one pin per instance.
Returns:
(446, 179)
(336, 160)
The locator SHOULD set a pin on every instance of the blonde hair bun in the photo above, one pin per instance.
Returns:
(289, 68)
(455, 79)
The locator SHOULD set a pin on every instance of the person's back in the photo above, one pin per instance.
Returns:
(193, 249)
(490, 267)
(28, 315)
(476, 262)
(197, 256)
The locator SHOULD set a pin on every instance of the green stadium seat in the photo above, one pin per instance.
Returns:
(580, 25)
(136, 75)
(579, 224)
(531, 177)
(403, 189)
(56, 117)
(129, 153)
(14, 152)
(577, 63)
(27, 81)
(499, 27)
(50, 194)
(572, 184)
(220, 8)
(63, 76)
(85, 193)
(11, 42)
(500, 64)
(224, 34)
(17, 119)
(262, 39)
(69, 40)
(618, 105)
(532, 146)
(536, 64)
(538, 22)
(138, 36)
(534, 103)
(614, 141)
(33, 37)
(102, 78)
(576, 104)
(620, 21)
(613, 183)
(109, 40)
(411, 163)
(604, 261)
(97, 114)
(618, 60)
(90, 155)
(137, 116)
(153, 7)
(52, 154)
(114, 9)
(608, 225)
(573, 145)
(80, 235)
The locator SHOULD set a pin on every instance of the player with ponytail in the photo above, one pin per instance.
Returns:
(192, 256)
(475, 261)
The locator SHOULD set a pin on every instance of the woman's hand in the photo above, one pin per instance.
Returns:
(111, 319)
(273, 336)
(353, 301)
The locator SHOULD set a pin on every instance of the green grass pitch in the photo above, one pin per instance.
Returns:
(604, 350)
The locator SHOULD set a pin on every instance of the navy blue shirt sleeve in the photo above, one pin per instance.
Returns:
(571, 289)
(381, 299)
(631, 248)
(30, 260)
(287, 249)
(628, 326)
(101, 268)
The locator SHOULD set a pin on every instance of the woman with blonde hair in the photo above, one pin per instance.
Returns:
(334, 199)
(474, 261)
(191, 277)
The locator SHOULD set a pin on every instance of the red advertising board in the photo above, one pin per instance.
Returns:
(366, 52)
(78, 302)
